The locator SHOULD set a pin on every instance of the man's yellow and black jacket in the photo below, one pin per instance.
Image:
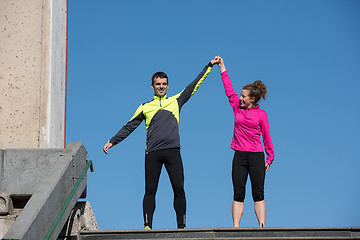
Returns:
(161, 117)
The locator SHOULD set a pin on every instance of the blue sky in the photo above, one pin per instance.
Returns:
(306, 52)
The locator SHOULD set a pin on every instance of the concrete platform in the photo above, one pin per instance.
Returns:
(227, 233)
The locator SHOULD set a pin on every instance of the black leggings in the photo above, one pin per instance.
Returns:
(251, 163)
(171, 158)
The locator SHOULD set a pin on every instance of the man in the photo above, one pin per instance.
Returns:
(161, 117)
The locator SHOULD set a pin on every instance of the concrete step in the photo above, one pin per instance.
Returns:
(227, 233)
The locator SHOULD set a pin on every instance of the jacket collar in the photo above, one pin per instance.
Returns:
(156, 97)
(256, 107)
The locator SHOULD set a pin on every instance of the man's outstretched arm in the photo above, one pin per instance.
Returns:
(126, 130)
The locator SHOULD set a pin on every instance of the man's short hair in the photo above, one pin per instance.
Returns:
(159, 75)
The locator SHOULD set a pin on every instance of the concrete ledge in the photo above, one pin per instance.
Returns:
(30, 166)
(226, 233)
(42, 209)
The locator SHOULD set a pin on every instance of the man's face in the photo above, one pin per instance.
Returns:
(160, 86)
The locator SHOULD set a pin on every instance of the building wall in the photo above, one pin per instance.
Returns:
(32, 73)
(55, 132)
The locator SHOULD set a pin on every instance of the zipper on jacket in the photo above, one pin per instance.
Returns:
(160, 102)
(248, 112)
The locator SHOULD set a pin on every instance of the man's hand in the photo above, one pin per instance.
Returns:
(106, 147)
(216, 60)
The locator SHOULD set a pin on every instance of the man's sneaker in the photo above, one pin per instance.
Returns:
(147, 227)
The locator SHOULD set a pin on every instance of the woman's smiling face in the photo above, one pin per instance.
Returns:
(245, 100)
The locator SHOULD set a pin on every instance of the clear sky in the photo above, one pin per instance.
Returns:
(306, 52)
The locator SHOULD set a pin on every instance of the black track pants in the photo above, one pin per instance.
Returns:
(171, 158)
(252, 164)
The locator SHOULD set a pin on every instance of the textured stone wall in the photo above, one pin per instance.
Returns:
(26, 77)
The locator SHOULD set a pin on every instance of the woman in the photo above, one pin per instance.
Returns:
(250, 123)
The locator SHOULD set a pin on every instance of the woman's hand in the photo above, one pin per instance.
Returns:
(221, 65)
(267, 167)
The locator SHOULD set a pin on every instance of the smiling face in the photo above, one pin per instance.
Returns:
(160, 86)
(245, 100)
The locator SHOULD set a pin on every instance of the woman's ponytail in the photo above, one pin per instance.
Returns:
(257, 90)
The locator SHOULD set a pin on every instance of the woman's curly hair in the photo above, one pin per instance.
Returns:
(257, 89)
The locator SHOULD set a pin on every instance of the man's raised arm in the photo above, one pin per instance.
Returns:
(190, 89)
